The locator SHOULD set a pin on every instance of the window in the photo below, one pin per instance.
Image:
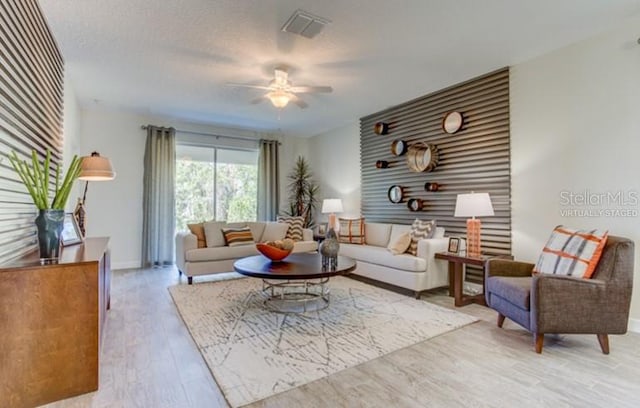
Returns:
(215, 183)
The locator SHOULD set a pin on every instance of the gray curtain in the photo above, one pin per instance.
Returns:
(268, 181)
(159, 197)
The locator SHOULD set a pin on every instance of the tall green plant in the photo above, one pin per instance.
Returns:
(303, 192)
(35, 177)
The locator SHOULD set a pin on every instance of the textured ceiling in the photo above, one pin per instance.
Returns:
(173, 57)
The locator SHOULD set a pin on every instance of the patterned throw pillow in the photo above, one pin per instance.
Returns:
(420, 230)
(198, 231)
(351, 230)
(237, 236)
(572, 252)
(295, 227)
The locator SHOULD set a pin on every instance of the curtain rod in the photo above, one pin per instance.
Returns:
(144, 127)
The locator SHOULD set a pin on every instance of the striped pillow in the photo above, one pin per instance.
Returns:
(420, 230)
(572, 252)
(237, 236)
(295, 227)
(351, 231)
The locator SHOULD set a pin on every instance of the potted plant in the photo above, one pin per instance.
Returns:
(302, 192)
(36, 178)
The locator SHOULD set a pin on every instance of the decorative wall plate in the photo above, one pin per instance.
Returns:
(415, 204)
(398, 147)
(395, 194)
(422, 157)
(452, 122)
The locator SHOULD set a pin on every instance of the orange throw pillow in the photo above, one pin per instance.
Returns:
(572, 252)
(198, 231)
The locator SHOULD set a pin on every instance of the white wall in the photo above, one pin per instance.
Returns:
(335, 160)
(71, 136)
(575, 127)
(114, 208)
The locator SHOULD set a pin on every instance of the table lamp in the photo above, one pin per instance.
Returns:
(92, 168)
(473, 205)
(331, 206)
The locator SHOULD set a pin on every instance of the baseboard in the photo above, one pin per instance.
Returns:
(125, 265)
(634, 325)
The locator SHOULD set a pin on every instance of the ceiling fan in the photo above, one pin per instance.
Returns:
(281, 91)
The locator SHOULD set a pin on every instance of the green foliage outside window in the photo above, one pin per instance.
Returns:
(237, 192)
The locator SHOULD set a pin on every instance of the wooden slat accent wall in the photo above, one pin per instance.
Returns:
(476, 158)
(31, 114)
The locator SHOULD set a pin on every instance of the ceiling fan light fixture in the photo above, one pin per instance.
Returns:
(279, 99)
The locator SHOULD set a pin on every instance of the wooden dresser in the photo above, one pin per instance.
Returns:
(51, 324)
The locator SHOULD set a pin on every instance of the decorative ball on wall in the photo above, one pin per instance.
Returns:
(431, 186)
(381, 128)
(382, 164)
(398, 147)
(395, 194)
(415, 204)
(422, 157)
(452, 122)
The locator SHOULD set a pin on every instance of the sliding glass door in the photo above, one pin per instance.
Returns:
(215, 183)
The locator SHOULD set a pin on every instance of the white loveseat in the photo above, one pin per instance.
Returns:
(416, 273)
(193, 261)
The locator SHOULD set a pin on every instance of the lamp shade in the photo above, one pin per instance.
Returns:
(473, 205)
(96, 168)
(332, 205)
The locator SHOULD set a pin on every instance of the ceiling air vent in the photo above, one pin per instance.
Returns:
(304, 24)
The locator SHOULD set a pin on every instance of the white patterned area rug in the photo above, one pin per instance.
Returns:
(254, 353)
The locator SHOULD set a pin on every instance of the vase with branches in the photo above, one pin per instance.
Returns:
(37, 179)
(303, 192)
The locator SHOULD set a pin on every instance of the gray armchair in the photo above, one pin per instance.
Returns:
(563, 304)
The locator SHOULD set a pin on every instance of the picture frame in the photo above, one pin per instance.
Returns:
(454, 245)
(322, 229)
(71, 234)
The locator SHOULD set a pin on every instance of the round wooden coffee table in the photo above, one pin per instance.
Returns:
(297, 284)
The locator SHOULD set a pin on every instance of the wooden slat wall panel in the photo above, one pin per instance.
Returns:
(476, 158)
(31, 114)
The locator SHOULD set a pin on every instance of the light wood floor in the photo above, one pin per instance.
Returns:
(149, 360)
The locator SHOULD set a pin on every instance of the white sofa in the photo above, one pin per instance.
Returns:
(193, 261)
(416, 273)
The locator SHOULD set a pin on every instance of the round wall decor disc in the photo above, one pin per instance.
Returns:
(452, 122)
(395, 194)
(431, 186)
(415, 204)
(381, 128)
(422, 157)
(398, 147)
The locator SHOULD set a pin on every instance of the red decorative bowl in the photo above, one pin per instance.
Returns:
(273, 253)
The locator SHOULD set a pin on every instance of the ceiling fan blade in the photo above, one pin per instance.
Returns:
(310, 89)
(301, 104)
(266, 88)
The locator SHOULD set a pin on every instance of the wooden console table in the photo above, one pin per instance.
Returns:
(456, 265)
(52, 320)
